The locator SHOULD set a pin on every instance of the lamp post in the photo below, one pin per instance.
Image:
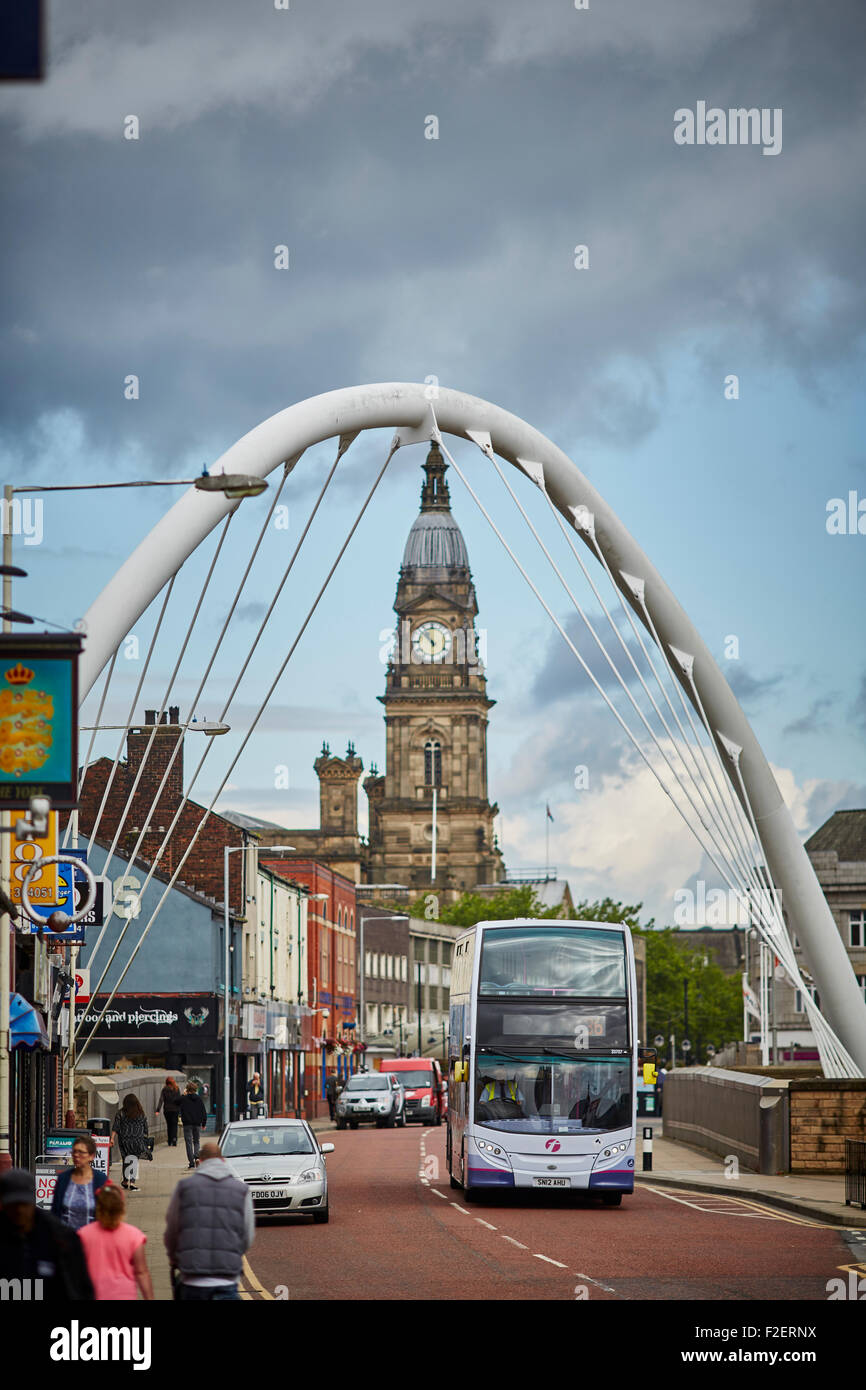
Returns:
(362, 922)
(227, 850)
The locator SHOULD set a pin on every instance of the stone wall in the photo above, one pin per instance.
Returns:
(823, 1114)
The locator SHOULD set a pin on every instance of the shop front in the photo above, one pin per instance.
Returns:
(167, 1032)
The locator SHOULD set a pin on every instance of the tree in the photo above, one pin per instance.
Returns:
(472, 907)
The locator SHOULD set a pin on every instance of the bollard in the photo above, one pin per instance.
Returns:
(647, 1149)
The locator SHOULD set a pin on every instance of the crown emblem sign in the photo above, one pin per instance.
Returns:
(19, 675)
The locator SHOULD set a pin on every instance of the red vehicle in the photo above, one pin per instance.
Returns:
(421, 1078)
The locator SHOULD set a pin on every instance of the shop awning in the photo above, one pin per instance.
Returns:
(26, 1026)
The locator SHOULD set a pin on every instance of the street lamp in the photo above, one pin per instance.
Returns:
(362, 922)
(227, 850)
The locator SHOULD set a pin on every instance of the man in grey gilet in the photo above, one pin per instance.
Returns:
(209, 1226)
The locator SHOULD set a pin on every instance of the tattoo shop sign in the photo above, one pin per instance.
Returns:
(179, 1017)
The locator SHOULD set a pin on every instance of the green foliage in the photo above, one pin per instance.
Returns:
(715, 1003)
(472, 907)
(715, 1006)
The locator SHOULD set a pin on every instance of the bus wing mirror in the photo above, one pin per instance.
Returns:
(646, 1055)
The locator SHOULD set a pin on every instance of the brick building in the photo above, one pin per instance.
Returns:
(330, 985)
(154, 755)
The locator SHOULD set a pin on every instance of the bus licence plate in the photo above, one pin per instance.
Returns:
(551, 1182)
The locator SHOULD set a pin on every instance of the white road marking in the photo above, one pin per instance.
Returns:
(549, 1261)
(710, 1205)
(485, 1223)
(590, 1280)
(463, 1209)
(518, 1243)
(439, 1194)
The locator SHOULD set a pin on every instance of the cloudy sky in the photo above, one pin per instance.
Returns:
(454, 257)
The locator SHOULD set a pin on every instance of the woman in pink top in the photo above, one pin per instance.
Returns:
(114, 1250)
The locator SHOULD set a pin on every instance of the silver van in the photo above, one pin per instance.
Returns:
(376, 1096)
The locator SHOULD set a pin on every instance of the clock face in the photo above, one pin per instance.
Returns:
(431, 642)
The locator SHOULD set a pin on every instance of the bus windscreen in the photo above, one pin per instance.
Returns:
(569, 961)
(538, 1095)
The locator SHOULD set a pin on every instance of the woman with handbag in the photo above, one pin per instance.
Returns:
(130, 1130)
(169, 1104)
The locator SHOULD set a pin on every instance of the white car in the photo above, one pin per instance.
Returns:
(283, 1163)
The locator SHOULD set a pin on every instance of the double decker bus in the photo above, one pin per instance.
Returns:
(543, 1057)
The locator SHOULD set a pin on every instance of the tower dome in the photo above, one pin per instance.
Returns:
(435, 542)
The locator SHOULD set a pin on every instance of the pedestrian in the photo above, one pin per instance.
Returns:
(130, 1130)
(114, 1250)
(35, 1246)
(255, 1097)
(169, 1104)
(193, 1117)
(660, 1088)
(74, 1200)
(209, 1226)
(332, 1090)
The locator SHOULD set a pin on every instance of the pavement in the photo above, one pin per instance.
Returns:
(680, 1165)
(675, 1165)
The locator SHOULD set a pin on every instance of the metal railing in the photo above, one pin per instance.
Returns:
(855, 1173)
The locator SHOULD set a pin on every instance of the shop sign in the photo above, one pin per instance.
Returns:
(181, 1017)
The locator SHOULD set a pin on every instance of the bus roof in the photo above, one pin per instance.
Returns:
(550, 923)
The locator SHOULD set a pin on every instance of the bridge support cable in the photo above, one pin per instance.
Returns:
(718, 834)
(764, 908)
(712, 796)
(94, 731)
(741, 876)
(591, 677)
(131, 715)
(259, 712)
(744, 852)
(159, 713)
(193, 706)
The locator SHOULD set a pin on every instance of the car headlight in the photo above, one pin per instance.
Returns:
(425, 1100)
(311, 1175)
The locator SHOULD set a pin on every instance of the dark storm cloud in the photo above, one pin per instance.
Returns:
(749, 689)
(411, 257)
(561, 674)
(815, 720)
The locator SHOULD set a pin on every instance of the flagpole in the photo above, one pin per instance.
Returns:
(547, 842)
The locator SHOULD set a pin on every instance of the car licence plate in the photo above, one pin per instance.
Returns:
(551, 1182)
(359, 1108)
(268, 1194)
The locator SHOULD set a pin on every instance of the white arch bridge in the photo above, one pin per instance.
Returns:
(690, 730)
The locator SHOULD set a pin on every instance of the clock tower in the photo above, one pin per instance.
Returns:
(436, 707)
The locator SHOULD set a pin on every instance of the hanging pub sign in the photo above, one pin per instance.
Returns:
(39, 719)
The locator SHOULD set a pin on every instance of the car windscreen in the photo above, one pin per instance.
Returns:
(367, 1083)
(267, 1139)
(412, 1079)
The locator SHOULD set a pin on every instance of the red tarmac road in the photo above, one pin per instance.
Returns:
(398, 1231)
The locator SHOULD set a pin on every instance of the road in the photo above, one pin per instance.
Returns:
(398, 1231)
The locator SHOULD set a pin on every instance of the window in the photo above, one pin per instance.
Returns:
(861, 980)
(446, 976)
(404, 967)
(433, 763)
(857, 927)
